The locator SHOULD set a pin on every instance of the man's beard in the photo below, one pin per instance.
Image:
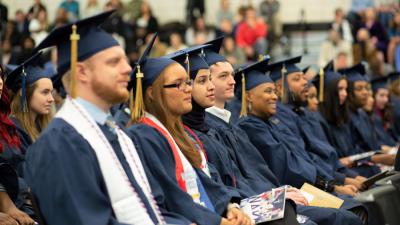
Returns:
(293, 99)
(110, 95)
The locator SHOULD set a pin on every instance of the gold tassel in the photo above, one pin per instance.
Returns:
(260, 58)
(243, 111)
(138, 110)
(283, 73)
(131, 102)
(321, 85)
(188, 65)
(74, 37)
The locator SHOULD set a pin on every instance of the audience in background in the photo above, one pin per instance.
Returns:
(342, 26)
(175, 43)
(370, 32)
(332, 46)
(92, 8)
(72, 9)
(251, 34)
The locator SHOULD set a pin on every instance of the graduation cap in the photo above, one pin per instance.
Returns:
(330, 66)
(393, 76)
(9, 68)
(354, 73)
(380, 82)
(305, 69)
(323, 79)
(326, 76)
(58, 85)
(191, 59)
(286, 66)
(24, 75)
(281, 69)
(146, 71)
(78, 41)
(249, 77)
(211, 55)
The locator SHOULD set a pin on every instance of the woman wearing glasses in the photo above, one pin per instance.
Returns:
(176, 169)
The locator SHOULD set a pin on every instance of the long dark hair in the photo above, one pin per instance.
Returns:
(387, 112)
(330, 108)
(8, 131)
(158, 108)
(351, 98)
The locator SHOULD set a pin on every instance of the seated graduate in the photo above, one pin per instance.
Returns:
(394, 90)
(83, 169)
(382, 114)
(12, 207)
(361, 129)
(254, 180)
(248, 158)
(316, 142)
(204, 137)
(31, 91)
(312, 98)
(259, 100)
(333, 117)
(176, 168)
(294, 130)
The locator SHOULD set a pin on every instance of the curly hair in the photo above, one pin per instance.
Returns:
(8, 131)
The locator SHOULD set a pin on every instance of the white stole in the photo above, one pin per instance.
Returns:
(189, 174)
(126, 203)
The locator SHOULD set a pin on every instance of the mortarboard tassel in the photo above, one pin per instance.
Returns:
(283, 94)
(188, 65)
(321, 85)
(24, 103)
(260, 58)
(243, 111)
(74, 37)
(131, 102)
(138, 108)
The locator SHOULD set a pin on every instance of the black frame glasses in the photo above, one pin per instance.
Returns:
(181, 85)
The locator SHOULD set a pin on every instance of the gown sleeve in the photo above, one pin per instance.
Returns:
(65, 178)
(287, 166)
(159, 164)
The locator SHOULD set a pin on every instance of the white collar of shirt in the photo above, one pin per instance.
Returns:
(223, 114)
(95, 112)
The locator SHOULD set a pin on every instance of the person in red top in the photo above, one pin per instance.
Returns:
(251, 34)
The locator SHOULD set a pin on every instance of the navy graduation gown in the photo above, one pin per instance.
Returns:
(14, 157)
(395, 131)
(219, 157)
(340, 137)
(258, 174)
(9, 179)
(24, 137)
(159, 162)
(243, 153)
(318, 143)
(65, 176)
(121, 115)
(298, 130)
(382, 135)
(362, 131)
(234, 106)
(287, 165)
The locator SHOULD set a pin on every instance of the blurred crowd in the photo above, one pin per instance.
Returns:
(248, 30)
(368, 32)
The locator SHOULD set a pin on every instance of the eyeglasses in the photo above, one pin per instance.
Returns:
(181, 85)
(360, 88)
